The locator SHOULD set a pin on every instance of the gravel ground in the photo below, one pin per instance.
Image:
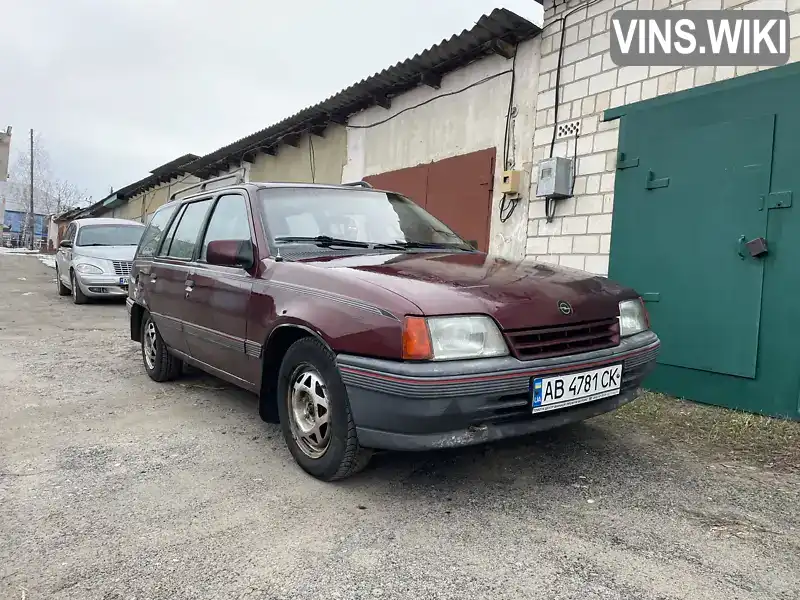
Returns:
(116, 487)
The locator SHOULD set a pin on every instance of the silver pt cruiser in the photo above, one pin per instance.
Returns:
(94, 258)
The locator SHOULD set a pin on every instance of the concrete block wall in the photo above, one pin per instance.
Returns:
(580, 234)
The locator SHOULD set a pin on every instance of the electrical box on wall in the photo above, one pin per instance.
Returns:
(555, 178)
(511, 182)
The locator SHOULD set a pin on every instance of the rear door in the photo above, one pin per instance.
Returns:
(167, 299)
(142, 280)
(219, 296)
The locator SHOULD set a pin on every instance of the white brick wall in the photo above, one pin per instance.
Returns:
(579, 235)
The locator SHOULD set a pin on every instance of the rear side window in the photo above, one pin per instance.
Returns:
(155, 231)
(181, 243)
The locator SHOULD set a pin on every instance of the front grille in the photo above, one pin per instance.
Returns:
(564, 340)
(122, 267)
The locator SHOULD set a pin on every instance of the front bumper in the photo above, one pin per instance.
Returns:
(422, 406)
(102, 286)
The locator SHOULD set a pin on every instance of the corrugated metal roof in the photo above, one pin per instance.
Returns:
(491, 34)
(174, 164)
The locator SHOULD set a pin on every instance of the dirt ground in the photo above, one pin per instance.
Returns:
(116, 487)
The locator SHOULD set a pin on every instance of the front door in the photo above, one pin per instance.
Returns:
(692, 201)
(64, 256)
(167, 298)
(218, 297)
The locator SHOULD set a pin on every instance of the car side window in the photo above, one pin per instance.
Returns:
(154, 233)
(70, 233)
(229, 221)
(184, 239)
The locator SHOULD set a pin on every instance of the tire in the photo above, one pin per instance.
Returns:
(310, 367)
(62, 289)
(78, 297)
(160, 365)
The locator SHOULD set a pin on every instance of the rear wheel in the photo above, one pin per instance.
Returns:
(62, 289)
(78, 297)
(315, 413)
(158, 362)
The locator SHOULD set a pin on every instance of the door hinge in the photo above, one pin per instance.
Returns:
(779, 200)
(653, 183)
(626, 163)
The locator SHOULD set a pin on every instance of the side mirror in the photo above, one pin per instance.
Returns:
(231, 253)
(65, 244)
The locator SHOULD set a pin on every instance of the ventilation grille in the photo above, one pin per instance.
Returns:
(122, 267)
(568, 130)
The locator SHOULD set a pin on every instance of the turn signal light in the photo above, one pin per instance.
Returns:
(416, 339)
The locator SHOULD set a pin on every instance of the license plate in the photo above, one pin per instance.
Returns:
(123, 281)
(560, 391)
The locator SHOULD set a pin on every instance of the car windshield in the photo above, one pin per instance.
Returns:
(109, 235)
(294, 215)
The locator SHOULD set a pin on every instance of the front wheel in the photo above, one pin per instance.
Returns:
(158, 362)
(78, 297)
(315, 413)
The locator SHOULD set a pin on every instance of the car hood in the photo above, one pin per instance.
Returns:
(518, 295)
(105, 252)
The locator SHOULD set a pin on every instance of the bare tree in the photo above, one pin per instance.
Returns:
(51, 194)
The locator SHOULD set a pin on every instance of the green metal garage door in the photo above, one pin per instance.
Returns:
(701, 173)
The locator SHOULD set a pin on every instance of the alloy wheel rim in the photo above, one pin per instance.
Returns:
(74, 287)
(309, 411)
(150, 345)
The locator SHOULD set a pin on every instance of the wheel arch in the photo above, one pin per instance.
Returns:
(278, 342)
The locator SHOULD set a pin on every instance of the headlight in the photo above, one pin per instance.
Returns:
(632, 317)
(88, 269)
(452, 338)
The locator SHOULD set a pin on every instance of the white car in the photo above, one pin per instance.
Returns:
(94, 258)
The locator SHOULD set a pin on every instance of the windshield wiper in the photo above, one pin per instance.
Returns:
(326, 241)
(436, 245)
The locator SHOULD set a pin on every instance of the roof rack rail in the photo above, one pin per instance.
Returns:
(239, 176)
(363, 184)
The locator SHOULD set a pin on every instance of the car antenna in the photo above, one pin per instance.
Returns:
(278, 257)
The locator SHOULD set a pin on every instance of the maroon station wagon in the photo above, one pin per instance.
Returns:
(364, 323)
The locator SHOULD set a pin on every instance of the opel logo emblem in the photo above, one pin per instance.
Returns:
(565, 307)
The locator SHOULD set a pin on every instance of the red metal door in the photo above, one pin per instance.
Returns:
(411, 182)
(457, 191)
(460, 194)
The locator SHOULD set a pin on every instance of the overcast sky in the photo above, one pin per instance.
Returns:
(117, 88)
